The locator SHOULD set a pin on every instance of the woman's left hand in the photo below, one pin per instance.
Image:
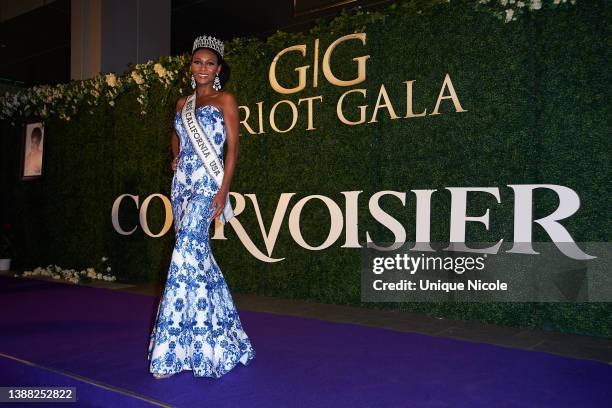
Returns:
(218, 203)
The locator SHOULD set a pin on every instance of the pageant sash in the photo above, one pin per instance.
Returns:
(205, 151)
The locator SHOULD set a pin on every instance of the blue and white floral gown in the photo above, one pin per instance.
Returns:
(197, 325)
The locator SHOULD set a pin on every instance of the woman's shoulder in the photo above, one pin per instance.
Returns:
(226, 98)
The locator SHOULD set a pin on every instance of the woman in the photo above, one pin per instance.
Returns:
(197, 325)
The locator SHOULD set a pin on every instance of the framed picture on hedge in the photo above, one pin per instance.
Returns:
(33, 150)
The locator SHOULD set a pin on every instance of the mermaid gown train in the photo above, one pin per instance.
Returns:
(197, 326)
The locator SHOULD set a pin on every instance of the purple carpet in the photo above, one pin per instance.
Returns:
(13, 373)
(103, 335)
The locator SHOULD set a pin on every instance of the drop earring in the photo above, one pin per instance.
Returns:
(217, 83)
(193, 82)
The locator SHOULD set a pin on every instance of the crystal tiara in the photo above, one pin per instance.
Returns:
(208, 42)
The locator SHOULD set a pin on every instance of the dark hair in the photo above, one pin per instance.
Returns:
(224, 75)
(36, 134)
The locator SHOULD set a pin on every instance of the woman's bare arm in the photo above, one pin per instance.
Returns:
(175, 139)
(175, 144)
(230, 115)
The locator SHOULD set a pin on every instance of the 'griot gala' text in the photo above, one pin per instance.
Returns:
(350, 107)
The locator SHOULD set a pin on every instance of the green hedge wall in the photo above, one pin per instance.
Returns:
(535, 91)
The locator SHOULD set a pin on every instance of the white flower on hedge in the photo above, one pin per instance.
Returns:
(108, 269)
(520, 4)
(137, 78)
(160, 70)
(56, 276)
(111, 80)
(99, 276)
(535, 4)
(104, 259)
(509, 14)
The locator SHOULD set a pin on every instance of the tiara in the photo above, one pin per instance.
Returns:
(208, 42)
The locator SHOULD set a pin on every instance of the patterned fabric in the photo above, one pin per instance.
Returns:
(197, 326)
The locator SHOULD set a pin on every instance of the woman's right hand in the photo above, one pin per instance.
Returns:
(173, 165)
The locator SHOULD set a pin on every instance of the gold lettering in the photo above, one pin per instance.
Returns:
(409, 102)
(362, 108)
(315, 68)
(293, 120)
(143, 215)
(309, 104)
(301, 71)
(382, 94)
(260, 115)
(246, 117)
(361, 62)
(453, 96)
(115, 213)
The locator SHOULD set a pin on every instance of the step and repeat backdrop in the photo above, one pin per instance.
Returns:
(425, 122)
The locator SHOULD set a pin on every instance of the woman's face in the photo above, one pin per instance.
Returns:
(204, 66)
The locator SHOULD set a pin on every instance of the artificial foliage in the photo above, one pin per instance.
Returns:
(534, 90)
